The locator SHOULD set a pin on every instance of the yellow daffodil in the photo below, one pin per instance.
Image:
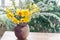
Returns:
(15, 20)
(25, 20)
(22, 15)
(7, 10)
(18, 12)
(26, 13)
(35, 8)
(34, 5)
(10, 15)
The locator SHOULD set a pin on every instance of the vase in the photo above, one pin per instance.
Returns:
(21, 31)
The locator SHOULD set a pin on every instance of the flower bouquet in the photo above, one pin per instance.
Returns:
(21, 17)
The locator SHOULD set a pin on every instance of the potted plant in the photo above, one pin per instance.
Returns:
(21, 17)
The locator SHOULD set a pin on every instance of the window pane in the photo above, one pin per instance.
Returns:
(8, 3)
(58, 2)
(0, 2)
(23, 0)
(17, 2)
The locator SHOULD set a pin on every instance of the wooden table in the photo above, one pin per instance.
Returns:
(9, 35)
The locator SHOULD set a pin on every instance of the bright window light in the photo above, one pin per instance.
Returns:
(0, 2)
(8, 3)
(17, 2)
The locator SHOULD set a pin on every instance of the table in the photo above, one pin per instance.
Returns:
(9, 35)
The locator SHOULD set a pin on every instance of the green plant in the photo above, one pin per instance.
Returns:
(48, 19)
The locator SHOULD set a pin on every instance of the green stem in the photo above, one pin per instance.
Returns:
(13, 3)
(2, 10)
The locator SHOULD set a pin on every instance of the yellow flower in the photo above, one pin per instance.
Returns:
(7, 10)
(25, 20)
(35, 8)
(15, 20)
(18, 12)
(26, 13)
(34, 5)
(22, 12)
(10, 15)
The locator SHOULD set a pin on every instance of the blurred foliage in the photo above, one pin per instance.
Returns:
(8, 24)
(45, 23)
(46, 20)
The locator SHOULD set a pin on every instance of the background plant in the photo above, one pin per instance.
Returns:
(48, 19)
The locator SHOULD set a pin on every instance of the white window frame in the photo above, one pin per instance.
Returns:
(3, 3)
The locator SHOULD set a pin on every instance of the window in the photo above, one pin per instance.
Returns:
(9, 2)
(58, 2)
(17, 2)
(0, 2)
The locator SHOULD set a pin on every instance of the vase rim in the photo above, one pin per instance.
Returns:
(22, 24)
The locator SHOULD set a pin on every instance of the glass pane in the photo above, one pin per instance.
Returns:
(23, 0)
(8, 3)
(58, 2)
(0, 2)
(17, 2)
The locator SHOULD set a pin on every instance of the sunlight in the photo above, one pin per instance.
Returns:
(0, 2)
(58, 3)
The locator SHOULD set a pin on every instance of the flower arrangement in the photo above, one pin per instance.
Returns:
(21, 15)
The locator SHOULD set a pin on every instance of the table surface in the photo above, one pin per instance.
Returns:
(9, 35)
